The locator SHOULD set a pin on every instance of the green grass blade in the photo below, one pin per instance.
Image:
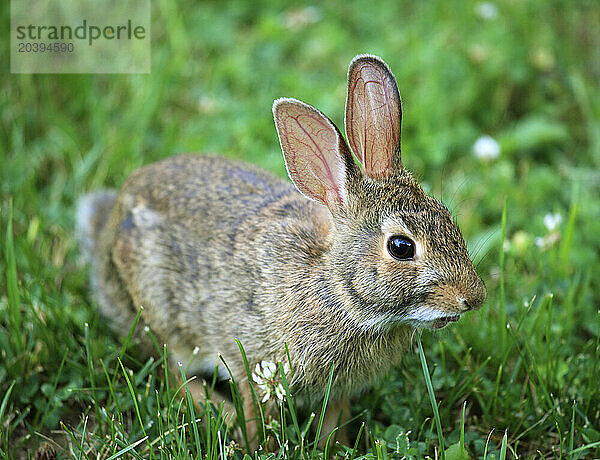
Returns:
(122, 452)
(90, 368)
(165, 366)
(78, 445)
(381, 450)
(584, 448)
(436, 413)
(5, 402)
(529, 356)
(12, 287)
(550, 374)
(111, 388)
(327, 444)
(502, 315)
(487, 442)
(496, 388)
(289, 400)
(323, 408)
(238, 403)
(192, 413)
(135, 403)
(503, 446)
(256, 402)
(356, 441)
(131, 332)
(83, 431)
(125, 344)
(462, 430)
(566, 243)
(3, 406)
(572, 434)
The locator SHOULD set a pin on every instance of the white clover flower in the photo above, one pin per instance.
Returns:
(486, 10)
(552, 221)
(266, 375)
(486, 148)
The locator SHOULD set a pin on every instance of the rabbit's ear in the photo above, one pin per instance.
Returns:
(373, 115)
(316, 155)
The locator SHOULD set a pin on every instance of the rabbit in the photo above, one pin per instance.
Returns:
(339, 267)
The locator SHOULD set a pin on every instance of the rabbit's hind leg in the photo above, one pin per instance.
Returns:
(337, 414)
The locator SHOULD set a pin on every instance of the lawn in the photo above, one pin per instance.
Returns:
(501, 121)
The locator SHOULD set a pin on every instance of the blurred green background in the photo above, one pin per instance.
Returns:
(525, 73)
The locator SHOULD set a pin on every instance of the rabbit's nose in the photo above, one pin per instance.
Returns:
(475, 296)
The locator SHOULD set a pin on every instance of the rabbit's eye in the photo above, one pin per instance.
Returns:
(400, 247)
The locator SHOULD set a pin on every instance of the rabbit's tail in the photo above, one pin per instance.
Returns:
(93, 211)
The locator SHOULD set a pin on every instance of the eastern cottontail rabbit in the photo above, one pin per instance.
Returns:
(342, 268)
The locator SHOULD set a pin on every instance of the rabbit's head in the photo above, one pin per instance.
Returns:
(396, 254)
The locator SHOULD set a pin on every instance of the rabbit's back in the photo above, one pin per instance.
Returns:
(203, 190)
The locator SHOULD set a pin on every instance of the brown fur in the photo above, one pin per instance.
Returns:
(215, 250)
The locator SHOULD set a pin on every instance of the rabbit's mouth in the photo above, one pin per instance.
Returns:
(423, 318)
(430, 318)
(443, 322)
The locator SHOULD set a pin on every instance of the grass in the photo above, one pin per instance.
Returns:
(519, 377)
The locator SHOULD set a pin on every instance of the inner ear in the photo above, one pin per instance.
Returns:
(373, 116)
(316, 156)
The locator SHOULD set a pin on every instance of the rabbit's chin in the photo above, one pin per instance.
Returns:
(422, 318)
(434, 321)
(441, 322)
